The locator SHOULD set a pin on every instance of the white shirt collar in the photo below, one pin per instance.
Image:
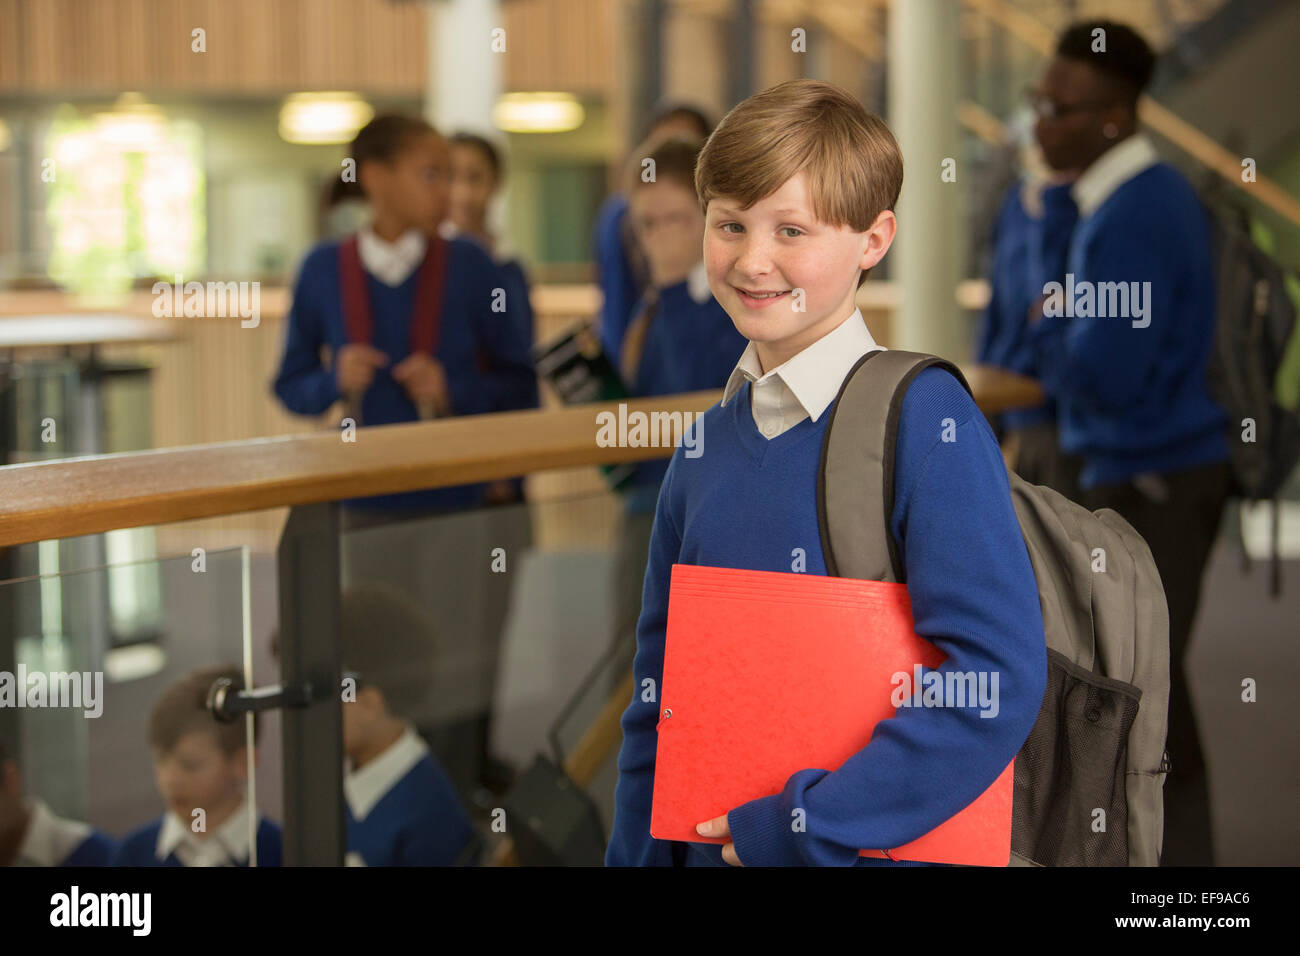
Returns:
(813, 376)
(391, 262)
(227, 845)
(365, 787)
(697, 283)
(50, 839)
(1111, 170)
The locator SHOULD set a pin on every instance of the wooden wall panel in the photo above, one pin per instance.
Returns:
(560, 45)
(253, 46)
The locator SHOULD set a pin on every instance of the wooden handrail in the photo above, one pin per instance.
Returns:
(59, 499)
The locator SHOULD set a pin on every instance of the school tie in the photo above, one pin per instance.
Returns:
(634, 339)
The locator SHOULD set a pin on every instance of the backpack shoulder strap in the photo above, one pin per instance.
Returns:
(855, 482)
(426, 322)
(356, 300)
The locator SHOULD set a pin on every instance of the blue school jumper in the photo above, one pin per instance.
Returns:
(620, 285)
(690, 346)
(747, 503)
(140, 845)
(488, 363)
(1028, 251)
(98, 849)
(419, 821)
(1132, 399)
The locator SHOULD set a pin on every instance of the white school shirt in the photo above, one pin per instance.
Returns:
(227, 845)
(1111, 170)
(365, 787)
(806, 384)
(49, 839)
(391, 262)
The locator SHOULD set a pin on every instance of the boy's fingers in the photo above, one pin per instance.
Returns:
(717, 827)
(729, 855)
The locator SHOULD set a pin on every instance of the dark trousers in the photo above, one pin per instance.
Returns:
(1178, 515)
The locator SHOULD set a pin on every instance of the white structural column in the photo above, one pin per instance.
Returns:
(465, 75)
(924, 57)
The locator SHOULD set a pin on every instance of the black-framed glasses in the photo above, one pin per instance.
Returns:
(1047, 108)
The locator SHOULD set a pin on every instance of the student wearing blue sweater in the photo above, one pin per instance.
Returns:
(798, 185)
(680, 339)
(440, 334)
(1128, 368)
(31, 834)
(1030, 236)
(621, 269)
(402, 809)
(202, 772)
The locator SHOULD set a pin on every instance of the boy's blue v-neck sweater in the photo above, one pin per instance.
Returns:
(487, 360)
(748, 502)
(418, 822)
(138, 848)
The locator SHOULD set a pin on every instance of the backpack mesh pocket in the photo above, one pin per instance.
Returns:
(1072, 764)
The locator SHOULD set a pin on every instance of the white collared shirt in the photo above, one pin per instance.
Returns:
(50, 839)
(227, 845)
(391, 262)
(365, 787)
(806, 384)
(1111, 170)
(697, 283)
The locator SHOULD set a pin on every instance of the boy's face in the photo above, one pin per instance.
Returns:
(196, 773)
(360, 717)
(776, 247)
(670, 228)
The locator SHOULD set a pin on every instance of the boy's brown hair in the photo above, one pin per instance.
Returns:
(390, 643)
(674, 161)
(183, 708)
(851, 159)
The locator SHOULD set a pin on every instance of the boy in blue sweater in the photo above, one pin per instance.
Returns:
(31, 834)
(202, 772)
(1130, 382)
(798, 186)
(402, 810)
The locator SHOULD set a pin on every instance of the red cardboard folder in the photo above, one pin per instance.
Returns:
(766, 674)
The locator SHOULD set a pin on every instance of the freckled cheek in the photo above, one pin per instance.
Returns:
(717, 262)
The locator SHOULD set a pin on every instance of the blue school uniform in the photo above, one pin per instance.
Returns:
(402, 810)
(160, 843)
(1131, 390)
(620, 284)
(51, 840)
(690, 345)
(746, 504)
(488, 362)
(1029, 248)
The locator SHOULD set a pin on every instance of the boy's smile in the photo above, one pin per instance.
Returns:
(785, 277)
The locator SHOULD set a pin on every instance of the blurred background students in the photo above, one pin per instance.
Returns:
(679, 340)
(31, 834)
(402, 809)
(1031, 236)
(1131, 388)
(477, 175)
(201, 767)
(413, 322)
(621, 269)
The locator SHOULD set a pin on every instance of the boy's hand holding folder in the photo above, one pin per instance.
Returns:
(767, 674)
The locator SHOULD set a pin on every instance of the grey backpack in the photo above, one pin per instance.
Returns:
(1089, 779)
